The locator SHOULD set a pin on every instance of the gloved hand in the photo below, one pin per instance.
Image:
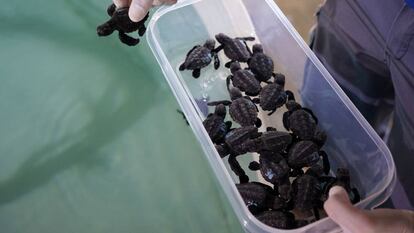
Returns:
(354, 220)
(139, 8)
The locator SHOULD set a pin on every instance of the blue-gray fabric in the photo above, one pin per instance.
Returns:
(410, 3)
(368, 47)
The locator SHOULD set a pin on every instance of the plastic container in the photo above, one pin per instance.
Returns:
(352, 143)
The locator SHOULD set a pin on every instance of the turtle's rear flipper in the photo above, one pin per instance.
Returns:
(142, 30)
(127, 39)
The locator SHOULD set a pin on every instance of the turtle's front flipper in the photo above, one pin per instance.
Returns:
(111, 9)
(127, 39)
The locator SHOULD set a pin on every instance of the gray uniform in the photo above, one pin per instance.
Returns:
(368, 46)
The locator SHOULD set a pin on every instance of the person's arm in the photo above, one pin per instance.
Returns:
(139, 8)
(354, 220)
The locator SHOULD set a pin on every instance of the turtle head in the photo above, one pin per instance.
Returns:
(257, 48)
(235, 93)
(234, 67)
(222, 38)
(220, 110)
(280, 79)
(292, 105)
(210, 44)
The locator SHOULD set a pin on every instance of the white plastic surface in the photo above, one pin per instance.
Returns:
(352, 143)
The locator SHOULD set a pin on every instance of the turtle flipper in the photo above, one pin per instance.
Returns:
(130, 41)
(111, 9)
(141, 30)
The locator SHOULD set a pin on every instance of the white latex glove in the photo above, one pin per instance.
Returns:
(139, 8)
(354, 220)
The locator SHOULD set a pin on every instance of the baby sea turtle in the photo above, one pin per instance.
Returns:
(242, 109)
(306, 191)
(277, 219)
(301, 121)
(272, 96)
(235, 49)
(306, 154)
(272, 166)
(259, 197)
(121, 22)
(199, 57)
(244, 80)
(261, 64)
(239, 141)
(215, 125)
(274, 141)
(342, 179)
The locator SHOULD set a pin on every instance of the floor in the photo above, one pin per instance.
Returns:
(301, 14)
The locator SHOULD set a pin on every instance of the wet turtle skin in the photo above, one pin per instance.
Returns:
(244, 80)
(277, 219)
(121, 22)
(261, 64)
(199, 57)
(215, 125)
(235, 49)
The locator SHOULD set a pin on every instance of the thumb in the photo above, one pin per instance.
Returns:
(348, 217)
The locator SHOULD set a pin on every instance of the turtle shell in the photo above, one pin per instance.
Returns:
(255, 195)
(261, 65)
(215, 127)
(237, 138)
(236, 50)
(198, 58)
(273, 168)
(277, 219)
(275, 141)
(272, 96)
(124, 23)
(306, 192)
(302, 124)
(303, 154)
(245, 81)
(243, 111)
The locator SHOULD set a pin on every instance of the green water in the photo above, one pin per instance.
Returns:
(89, 137)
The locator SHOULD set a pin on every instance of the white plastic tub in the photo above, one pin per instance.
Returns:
(352, 143)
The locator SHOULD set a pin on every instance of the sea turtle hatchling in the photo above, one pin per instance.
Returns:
(215, 125)
(259, 197)
(301, 121)
(241, 108)
(244, 80)
(199, 57)
(273, 95)
(261, 64)
(277, 219)
(235, 49)
(306, 191)
(121, 22)
(272, 166)
(306, 154)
